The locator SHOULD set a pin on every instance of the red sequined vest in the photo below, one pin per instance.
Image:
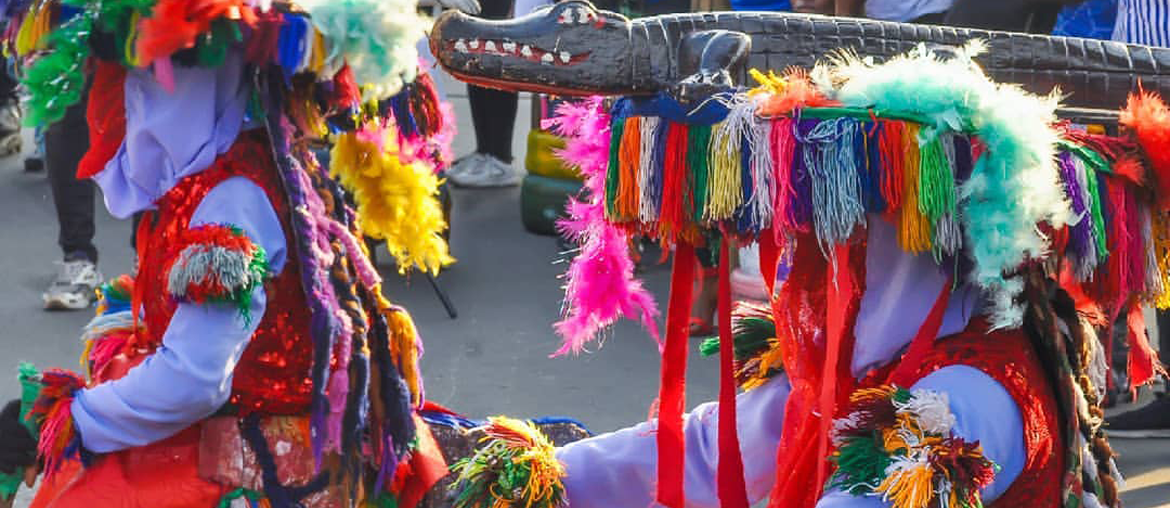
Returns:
(273, 374)
(1008, 357)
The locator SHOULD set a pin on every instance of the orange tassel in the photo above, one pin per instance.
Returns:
(914, 230)
(629, 153)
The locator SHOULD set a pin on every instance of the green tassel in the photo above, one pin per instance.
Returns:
(698, 144)
(936, 184)
(213, 48)
(1097, 215)
(613, 173)
(861, 465)
(250, 495)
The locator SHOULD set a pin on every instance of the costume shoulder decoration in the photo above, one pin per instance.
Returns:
(217, 263)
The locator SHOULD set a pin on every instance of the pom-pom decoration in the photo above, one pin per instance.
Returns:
(397, 198)
(217, 264)
(599, 286)
(377, 38)
(896, 444)
(515, 466)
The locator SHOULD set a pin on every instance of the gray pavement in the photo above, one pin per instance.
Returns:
(493, 359)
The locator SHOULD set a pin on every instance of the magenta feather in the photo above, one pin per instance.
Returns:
(600, 286)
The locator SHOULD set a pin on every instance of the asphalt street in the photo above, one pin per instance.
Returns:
(493, 359)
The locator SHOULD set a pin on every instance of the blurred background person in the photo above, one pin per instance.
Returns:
(493, 116)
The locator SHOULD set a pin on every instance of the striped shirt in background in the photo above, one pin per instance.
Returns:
(1143, 22)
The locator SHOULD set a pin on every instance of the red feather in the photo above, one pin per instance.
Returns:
(1149, 118)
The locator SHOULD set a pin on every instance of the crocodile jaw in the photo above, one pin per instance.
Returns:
(567, 49)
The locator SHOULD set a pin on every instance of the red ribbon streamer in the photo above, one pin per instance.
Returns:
(769, 258)
(672, 394)
(839, 295)
(730, 481)
(924, 340)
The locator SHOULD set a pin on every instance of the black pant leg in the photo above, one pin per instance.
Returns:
(65, 143)
(493, 112)
(1163, 320)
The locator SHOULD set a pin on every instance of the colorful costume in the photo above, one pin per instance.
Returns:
(954, 247)
(252, 359)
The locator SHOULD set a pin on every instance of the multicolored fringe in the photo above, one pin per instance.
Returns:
(396, 197)
(758, 353)
(217, 264)
(897, 444)
(53, 414)
(826, 169)
(517, 466)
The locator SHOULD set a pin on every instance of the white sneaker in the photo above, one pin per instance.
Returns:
(465, 164)
(75, 287)
(490, 172)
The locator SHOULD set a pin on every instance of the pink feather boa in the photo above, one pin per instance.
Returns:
(599, 286)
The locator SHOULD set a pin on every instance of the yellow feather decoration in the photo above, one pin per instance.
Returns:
(397, 199)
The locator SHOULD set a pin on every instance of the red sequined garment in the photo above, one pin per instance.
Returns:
(272, 377)
(1009, 358)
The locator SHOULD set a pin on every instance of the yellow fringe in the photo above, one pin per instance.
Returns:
(914, 228)
(909, 488)
(1160, 224)
(724, 179)
(397, 201)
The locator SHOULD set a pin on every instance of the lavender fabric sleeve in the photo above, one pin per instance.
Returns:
(618, 469)
(172, 134)
(190, 376)
(984, 412)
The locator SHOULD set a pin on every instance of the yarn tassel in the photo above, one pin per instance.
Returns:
(782, 144)
(628, 163)
(671, 220)
(1161, 247)
(743, 218)
(725, 189)
(890, 146)
(837, 206)
(613, 171)
(1081, 227)
(698, 146)
(914, 230)
(1154, 276)
(762, 175)
(802, 178)
(867, 147)
(647, 166)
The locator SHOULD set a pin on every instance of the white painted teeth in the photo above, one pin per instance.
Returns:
(509, 47)
(583, 16)
(461, 46)
(489, 46)
(474, 44)
(566, 17)
(564, 57)
(547, 58)
(526, 51)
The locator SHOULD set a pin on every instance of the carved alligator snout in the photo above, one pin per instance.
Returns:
(572, 48)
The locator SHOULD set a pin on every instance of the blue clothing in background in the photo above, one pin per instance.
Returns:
(761, 5)
(1092, 19)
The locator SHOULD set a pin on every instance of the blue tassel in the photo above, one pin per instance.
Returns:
(868, 150)
(801, 179)
(744, 220)
(659, 163)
